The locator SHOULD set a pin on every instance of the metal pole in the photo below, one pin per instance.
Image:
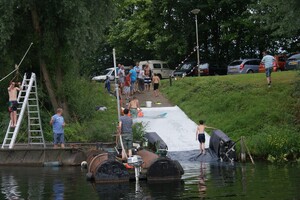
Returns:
(116, 84)
(198, 58)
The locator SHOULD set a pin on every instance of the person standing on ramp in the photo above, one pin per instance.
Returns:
(200, 135)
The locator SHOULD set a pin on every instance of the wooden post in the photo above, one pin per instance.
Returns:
(249, 154)
(243, 152)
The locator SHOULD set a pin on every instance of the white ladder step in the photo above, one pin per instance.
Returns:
(33, 118)
(35, 111)
(39, 143)
(35, 131)
(36, 137)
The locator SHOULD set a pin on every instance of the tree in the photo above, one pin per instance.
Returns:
(280, 21)
(63, 32)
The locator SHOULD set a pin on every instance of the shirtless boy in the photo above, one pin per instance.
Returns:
(200, 135)
(155, 81)
(13, 104)
(133, 106)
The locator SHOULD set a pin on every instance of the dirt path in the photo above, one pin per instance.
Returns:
(159, 101)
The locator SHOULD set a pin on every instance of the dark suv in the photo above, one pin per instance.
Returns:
(186, 69)
(212, 68)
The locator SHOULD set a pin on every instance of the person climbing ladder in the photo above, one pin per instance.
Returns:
(13, 103)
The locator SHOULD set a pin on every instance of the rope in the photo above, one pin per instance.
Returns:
(17, 66)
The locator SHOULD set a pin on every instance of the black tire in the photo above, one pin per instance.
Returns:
(250, 72)
(159, 76)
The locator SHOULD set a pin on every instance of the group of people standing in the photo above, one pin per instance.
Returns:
(138, 79)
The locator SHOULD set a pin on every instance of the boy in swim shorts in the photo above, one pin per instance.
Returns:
(200, 135)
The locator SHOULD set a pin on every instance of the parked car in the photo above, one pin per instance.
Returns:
(212, 68)
(186, 69)
(243, 66)
(158, 67)
(110, 72)
(293, 62)
(278, 65)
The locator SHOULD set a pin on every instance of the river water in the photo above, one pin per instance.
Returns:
(201, 180)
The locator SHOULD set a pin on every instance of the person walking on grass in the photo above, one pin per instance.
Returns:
(200, 135)
(58, 123)
(125, 129)
(268, 62)
(156, 81)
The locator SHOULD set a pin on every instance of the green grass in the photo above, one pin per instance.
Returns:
(243, 105)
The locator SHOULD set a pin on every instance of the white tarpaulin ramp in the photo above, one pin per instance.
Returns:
(173, 126)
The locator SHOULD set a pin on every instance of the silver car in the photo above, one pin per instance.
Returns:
(243, 66)
(293, 62)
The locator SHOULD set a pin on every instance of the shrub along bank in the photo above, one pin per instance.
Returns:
(243, 105)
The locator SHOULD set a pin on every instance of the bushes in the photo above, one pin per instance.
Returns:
(276, 144)
(138, 130)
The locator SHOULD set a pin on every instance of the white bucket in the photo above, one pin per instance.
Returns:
(148, 104)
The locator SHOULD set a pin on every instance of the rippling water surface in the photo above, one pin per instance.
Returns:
(200, 181)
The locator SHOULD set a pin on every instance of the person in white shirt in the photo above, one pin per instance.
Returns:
(268, 62)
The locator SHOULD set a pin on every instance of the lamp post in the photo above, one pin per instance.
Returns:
(195, 12)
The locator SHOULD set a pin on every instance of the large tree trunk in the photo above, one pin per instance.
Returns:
(44, 70)
(59, 82)
(48, 84)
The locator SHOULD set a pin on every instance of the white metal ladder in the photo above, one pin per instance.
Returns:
(27, 100)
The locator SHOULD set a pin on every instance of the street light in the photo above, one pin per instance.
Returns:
(195, 12)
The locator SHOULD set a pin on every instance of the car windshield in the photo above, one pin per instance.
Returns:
(203, 66)
(186, 66)
(106, 72)
(234, 63)
(295, 57)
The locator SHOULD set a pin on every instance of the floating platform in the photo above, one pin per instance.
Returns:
(72, 155)
(105, 167)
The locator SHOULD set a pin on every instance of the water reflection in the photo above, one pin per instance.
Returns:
(112, 191)
(58, 190)
(142, 190)
(10, 188)
(202, 179)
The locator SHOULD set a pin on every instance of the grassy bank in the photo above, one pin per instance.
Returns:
(243, 105)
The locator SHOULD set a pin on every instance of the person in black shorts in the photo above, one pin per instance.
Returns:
(13, 103)
(155, 81)
(200, 135)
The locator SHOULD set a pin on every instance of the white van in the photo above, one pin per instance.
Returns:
(158, 67)
(110, 72)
